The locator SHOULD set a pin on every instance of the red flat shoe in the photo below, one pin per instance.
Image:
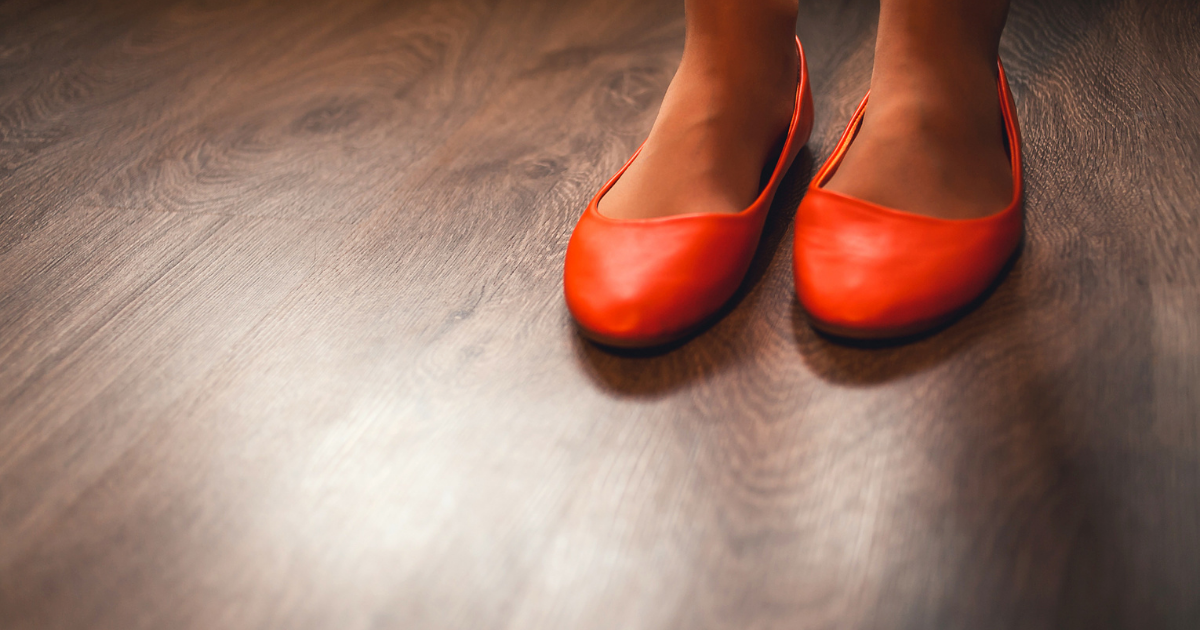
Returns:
(646, 282)
(870, 272)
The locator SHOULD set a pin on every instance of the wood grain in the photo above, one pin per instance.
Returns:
(282, 342)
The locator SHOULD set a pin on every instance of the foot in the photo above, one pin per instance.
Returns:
(727, 106)
(932, 139)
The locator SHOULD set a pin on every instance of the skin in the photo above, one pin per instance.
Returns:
(932, 139)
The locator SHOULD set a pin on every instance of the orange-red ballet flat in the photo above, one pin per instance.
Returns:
(866, 271)
(646, 282)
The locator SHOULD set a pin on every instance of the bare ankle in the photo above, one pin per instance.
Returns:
(940, 29)
(740, 28)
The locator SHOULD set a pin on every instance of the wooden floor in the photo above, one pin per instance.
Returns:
(282, 341)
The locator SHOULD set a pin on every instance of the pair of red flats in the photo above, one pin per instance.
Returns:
(861, 270)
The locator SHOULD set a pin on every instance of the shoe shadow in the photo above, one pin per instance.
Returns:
(652, 372)
(860, 362)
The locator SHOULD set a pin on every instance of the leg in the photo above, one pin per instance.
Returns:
(729, 102)
(932, 140)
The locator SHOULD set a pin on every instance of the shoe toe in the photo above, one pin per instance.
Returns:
(647, 283)
(869, 273)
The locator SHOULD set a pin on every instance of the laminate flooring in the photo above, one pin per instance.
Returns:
(282, 342)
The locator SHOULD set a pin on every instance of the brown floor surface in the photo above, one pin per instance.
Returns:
(282, 342)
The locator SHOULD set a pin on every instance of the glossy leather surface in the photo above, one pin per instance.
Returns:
(645, 282)
(864, 270)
